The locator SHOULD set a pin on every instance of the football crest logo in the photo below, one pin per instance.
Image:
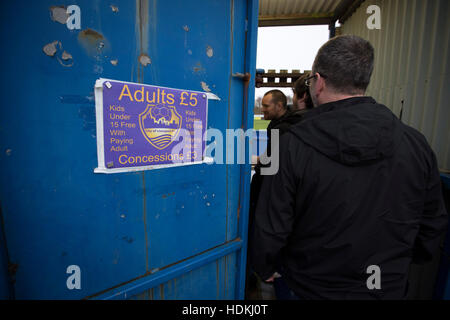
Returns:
(160, 125)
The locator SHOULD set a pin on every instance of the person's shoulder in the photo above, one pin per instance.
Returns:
(411, 133)
(279, 124)
(414, 134)
(289, 119)
(295, 151)
(297, 115)
(291, 140)
(419, 144)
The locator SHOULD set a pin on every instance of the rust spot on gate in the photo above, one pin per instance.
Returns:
(91, 35)
(94, 43)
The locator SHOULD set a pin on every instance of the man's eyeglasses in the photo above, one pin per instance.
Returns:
(308, 80)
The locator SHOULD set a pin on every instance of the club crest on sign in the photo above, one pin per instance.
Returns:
(160, 125)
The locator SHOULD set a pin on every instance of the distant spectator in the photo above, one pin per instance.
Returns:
(302, 98)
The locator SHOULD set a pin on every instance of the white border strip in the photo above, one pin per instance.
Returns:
(207, 160)
(209, 95)
(99, 119)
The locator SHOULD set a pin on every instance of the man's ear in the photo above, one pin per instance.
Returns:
(320, 84)
(280, 106)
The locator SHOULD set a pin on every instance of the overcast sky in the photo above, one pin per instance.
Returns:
(288, 48)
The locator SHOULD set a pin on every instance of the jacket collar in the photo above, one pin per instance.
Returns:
(338, 105)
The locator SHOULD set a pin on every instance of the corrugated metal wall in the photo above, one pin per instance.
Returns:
(294, 7)
(412, 64)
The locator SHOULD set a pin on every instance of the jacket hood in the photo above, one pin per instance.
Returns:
(354, 131)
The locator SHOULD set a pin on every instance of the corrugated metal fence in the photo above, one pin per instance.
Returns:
(411, 64)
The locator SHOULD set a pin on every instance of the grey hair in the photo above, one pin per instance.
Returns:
(346, 63)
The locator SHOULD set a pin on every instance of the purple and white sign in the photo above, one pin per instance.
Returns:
(142, 125)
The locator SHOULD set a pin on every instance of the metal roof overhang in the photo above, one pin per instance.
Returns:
(305, 12)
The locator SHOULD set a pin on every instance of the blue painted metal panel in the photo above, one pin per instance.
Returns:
(247, 120)
(236, 116)
(182, 288)
(196, 198)
(123, 227)
(146, 284)
(445, 177)
(57, 212)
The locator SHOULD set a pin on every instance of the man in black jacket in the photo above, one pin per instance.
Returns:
(357, 197)
(275, 108)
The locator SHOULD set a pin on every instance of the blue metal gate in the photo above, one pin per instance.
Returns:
(175, 233)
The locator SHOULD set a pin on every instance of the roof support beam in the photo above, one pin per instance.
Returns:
(295, 20)
(345, 9)
(332, 28)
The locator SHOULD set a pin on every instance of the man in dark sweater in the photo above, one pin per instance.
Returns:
(357, 197)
